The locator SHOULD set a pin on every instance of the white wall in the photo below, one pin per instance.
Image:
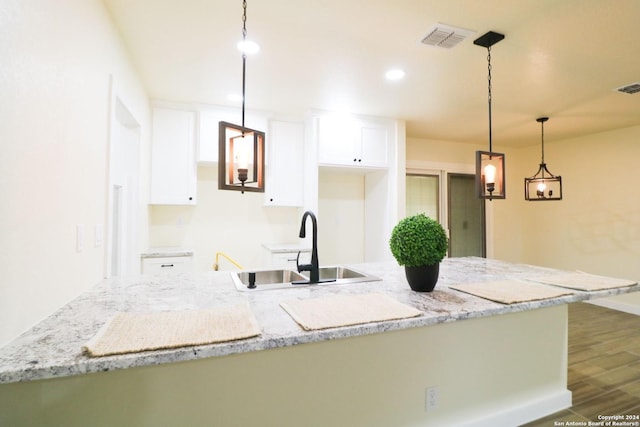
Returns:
(58, 59)
(341, 205)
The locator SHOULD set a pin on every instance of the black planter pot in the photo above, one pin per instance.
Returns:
(423, 278)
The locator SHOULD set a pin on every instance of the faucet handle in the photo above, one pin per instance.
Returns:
(303, 267)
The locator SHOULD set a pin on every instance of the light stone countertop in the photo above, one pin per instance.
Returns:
(165, 252)
(53, 348)
(279, 248)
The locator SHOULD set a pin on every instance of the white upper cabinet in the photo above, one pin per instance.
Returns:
(373, 141)
(173, 163)
(285, 164)
(353, 142)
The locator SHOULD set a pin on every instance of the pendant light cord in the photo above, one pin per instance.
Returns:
(244, 56)
(489, 98)
(542, 125)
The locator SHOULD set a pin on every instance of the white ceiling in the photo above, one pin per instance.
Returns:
(560, 58)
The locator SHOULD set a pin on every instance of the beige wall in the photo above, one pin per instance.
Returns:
(595, 228)
(57, 62)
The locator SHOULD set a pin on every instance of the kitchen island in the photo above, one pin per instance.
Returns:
(465, 360)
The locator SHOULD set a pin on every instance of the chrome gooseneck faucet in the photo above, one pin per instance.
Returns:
(313, 268)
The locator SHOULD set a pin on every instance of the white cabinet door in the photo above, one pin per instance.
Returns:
(285, 164)
(373, 142)
(359, 143)
(336, 141)
(173, 165)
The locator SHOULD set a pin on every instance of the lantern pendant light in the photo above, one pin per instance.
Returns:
(241, 150)
(490, 166)
(543, 186)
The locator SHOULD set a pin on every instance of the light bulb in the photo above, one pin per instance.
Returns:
(541, 187)
(248, 47)
(490, 174)
(395, 74)
(243, 152)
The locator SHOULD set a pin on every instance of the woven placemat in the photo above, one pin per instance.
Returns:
(134, 332)
(344, 310)
(510, 291)
(584, 281)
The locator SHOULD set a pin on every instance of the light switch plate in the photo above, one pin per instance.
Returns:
(80, 237)
(99, 235)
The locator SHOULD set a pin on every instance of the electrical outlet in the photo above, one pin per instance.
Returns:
(431, 398)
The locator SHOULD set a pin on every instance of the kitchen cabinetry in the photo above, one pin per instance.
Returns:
(285, 164)
(355, 142)
(173, 163)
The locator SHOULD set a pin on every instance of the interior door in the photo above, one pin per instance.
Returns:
(466, 217)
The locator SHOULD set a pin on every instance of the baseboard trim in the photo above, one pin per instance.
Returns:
(525, 412)
(617, 305)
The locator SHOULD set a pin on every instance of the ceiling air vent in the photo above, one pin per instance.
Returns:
(445, 36)
(630, 88)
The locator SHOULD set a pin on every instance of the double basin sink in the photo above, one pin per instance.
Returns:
(281, 279)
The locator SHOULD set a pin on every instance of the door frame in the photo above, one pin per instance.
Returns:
(120, 115)
(442, 169)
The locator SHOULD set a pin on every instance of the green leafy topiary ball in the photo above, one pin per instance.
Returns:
(418, 240)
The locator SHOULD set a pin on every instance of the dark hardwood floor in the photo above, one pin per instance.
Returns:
(604, 366)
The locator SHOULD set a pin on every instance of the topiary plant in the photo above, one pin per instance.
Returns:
(418, 240)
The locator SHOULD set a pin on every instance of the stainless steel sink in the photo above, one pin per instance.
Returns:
(282, 279)
(265, 279)
(342, 275)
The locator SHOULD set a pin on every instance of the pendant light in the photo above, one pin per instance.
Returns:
(490, 175)
(543, 185)
(240, 149)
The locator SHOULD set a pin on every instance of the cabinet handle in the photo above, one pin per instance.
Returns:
(166, 265)
(190, 198)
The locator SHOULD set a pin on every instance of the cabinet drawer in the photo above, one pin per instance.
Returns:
(167, 265)
(287, 260)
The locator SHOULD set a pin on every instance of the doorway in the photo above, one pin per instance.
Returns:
(122, 257)
(466, 217)
(450, 199)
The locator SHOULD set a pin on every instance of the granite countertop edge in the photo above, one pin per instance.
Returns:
(31, 357)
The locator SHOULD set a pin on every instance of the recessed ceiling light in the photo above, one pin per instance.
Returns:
(395, 74)
(248, 47)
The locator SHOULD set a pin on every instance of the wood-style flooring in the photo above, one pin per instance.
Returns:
(604, 366)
